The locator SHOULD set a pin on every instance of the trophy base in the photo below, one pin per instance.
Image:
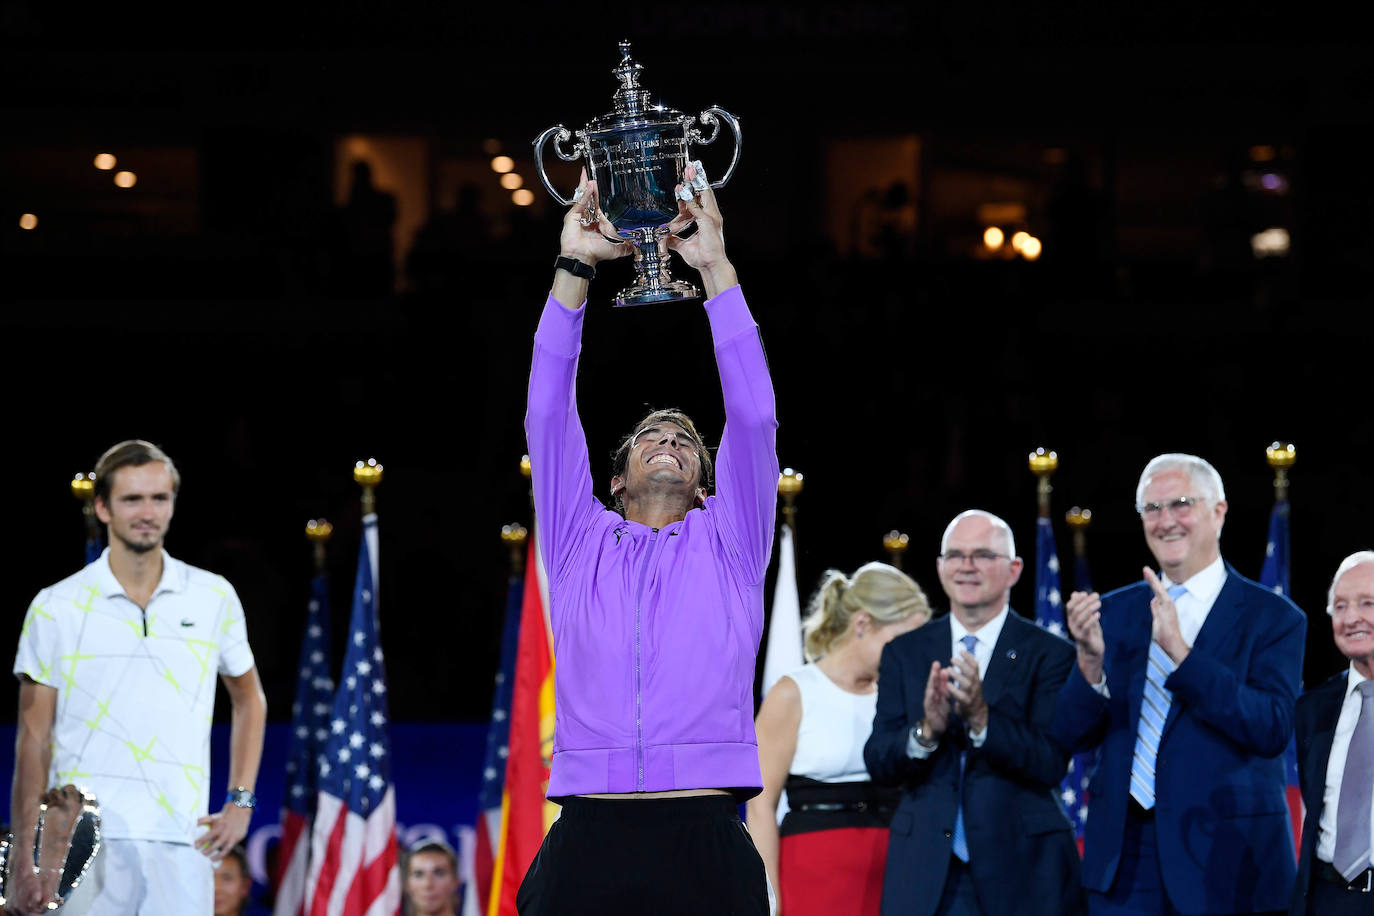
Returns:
(673, 291)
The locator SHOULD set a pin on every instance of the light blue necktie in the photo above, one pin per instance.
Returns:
(960, 840)
(1154, 710)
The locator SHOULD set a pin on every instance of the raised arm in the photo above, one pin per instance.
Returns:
(561, 471)
(747, 461)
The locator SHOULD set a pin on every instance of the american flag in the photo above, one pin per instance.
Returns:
(1049, 614)
(477, 887)
(353, 851)
(1274, 575)
(309, 731)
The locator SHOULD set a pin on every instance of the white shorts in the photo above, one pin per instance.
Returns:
(145, 878)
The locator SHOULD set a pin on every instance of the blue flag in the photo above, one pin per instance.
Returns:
(1274, 575)
(309, 731)
(1049, 614)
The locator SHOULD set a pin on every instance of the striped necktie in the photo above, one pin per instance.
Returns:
(1352, 854)
(960, 846)
(1154, 710)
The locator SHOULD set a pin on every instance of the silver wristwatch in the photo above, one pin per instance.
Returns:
(923, 739)
(241, 797)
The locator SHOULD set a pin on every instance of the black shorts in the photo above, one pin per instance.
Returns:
(688, 856)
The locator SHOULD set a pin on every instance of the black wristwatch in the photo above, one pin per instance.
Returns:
(575, 267)
(241, 797)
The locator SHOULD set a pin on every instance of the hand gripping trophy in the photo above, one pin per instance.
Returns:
(65, 844)
(637, 155)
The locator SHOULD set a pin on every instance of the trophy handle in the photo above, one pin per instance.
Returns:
(563, 135)
(708, 119)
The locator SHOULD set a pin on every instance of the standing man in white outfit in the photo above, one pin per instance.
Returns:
(117, 668)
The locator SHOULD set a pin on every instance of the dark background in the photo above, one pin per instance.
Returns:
(233, 325)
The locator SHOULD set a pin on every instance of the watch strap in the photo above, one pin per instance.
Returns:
(575, 267)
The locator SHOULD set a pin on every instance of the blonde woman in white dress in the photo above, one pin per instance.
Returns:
(827, 856)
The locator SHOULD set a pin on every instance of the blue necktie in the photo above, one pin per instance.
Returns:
(1154, 710)
(960, 839)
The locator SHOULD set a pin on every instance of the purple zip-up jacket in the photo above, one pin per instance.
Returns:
(655, 631)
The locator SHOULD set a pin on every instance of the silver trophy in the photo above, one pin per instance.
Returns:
(65, 842)
(637, 154)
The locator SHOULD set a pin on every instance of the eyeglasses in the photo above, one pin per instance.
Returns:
(1180, 507)
(981, 558)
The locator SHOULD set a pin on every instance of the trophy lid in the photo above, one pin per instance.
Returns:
(632, 108)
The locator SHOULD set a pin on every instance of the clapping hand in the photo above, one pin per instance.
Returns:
(1164, 627)
(1083, 614)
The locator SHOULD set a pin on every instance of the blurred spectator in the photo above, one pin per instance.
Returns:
(233, 884)
(431, 880)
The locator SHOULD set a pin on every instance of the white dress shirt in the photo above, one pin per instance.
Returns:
(987, 640)
(1193, 605)
(1335, 769)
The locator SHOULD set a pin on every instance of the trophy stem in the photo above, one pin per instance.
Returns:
(653, 282)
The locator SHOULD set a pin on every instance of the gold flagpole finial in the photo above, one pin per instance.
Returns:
(789, 486)
(367, 474)
(318, 532)
(1078, 520)
(83, 486)
(515, 536)
(1281, 456)
(895, 543)
(525, 470)
(1043, 462)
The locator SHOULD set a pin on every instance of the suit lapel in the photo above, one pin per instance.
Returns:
(1005, 656)
(1329, 699)
(1137, 653)
(1222, 621)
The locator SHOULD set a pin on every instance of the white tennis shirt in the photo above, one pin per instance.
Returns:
(136, 690)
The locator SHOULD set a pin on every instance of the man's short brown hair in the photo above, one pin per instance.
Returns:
(129, 453)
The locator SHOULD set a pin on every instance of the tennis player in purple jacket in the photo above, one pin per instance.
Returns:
(657, 609)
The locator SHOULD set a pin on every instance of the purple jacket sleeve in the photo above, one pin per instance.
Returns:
(747, 461)
(560, 469)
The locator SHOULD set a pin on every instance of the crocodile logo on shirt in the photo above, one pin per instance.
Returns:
(186, 622)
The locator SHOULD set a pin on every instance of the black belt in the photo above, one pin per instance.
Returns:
(1363, 883)
(843, 806)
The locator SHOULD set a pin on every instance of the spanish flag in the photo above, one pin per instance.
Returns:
(525, 813)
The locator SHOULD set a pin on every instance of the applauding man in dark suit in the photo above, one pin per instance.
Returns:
(1186, 681)
(1335, 724)
(963, 725)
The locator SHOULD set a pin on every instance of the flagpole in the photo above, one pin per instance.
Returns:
(1274, 575)
(527, 472)
(789, 486)
(318, 532)
(1043, 463)
(367, 474)
(83, 488)
(1281, 456)
(895, 543)
(1078, 520)
(515, 536)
